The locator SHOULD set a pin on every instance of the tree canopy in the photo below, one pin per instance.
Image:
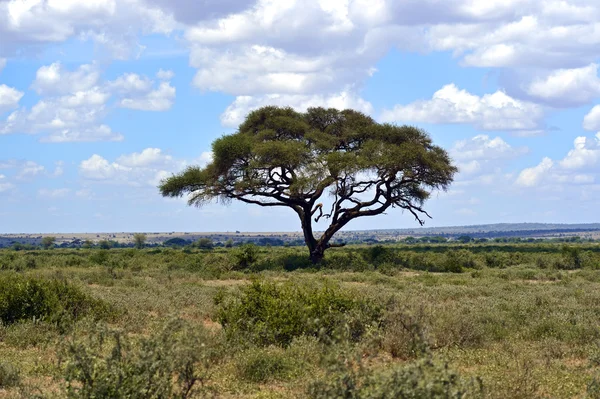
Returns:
(281, 157)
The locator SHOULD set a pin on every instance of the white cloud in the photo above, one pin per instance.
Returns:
(130, 83)
(83, 135)
(496, 111)
(482, 155)
(146, 158)
(160, 99)
(139, 169)
(55, 79)
(567, 87)
(2, 63)
(482, 147)
(5, 186)
(53, 193)
(591, 121)
(29, 169)
(9, 98)
(579, 166)
(74, 104)
(113, 25)
(255, 69)
(469, 168)
(59, 169)
(585, 154)
(532, 176)
(235, 113)
(98, 168)
(165, 75)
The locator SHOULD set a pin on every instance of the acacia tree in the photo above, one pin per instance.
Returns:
(283, 158)
(139, 240)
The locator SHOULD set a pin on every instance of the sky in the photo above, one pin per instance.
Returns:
(101, 99)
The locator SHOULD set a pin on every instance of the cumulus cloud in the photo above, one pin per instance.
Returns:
(532, 176)
(567, 87)
(160, 99)
(55, 79)
(585, 154)
(30, 169)
(591, 121)
(483, 147)
(83, 135)
(146, 158)
(139, 169)
(5, 185)
(98, 168)
(130, 83)
(113, 25)
(579, 166)
(235, 113)
(27, 170)
(9, 97)
(165, 75)
(74, 103)
(496, 111)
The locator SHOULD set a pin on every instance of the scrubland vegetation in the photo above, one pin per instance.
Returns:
(408, 321)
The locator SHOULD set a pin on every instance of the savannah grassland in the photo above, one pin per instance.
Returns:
(447, 321)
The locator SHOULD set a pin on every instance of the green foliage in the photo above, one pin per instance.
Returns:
(55, 301)
(270, 314)
(280, 157)
(456, 261)
(9, 376)
(99, 257)
(571, 258)
(176, 242)
(105, 244)
(423, 379)
(174, 363)
(245, 256)
(268, 364)
(205, 243)
(48, 242)
(139, 240)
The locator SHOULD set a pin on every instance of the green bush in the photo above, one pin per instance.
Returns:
(9, 376)
(423, 379)
(99, 257)
(245, 256)
(29, 298)
(496, 259)
(174, 363)
(263, 365)
(269, 314)
(457, 260)
(346, 260)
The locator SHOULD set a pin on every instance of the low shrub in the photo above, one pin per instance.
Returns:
(245, 256)
(56, 301)
(263, 365)
(9, 376)
(346, 260)
(423, 379)
(269, 314)
(173, 363)
(457, 260)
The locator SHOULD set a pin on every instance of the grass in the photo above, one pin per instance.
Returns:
(523, 327)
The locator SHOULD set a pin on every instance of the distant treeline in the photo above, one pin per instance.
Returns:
(209, 242)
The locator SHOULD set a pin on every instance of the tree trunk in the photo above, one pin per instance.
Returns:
(316, 256)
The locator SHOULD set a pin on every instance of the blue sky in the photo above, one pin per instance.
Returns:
(100, 100)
